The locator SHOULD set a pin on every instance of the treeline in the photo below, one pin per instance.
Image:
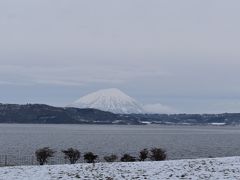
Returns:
(73, 155)
(44, 114)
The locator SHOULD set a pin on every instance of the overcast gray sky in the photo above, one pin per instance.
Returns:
(183, 54)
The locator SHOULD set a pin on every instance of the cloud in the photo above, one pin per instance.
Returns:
(230, 106)
(159, 108)
(181, 60)
(13, 83)
(78, 75)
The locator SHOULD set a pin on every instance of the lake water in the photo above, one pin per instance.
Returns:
(179, 141)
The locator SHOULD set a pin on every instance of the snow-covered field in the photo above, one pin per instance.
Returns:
(217, 168)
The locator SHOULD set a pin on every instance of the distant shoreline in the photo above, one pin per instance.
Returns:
(91, 124)
(45, 114)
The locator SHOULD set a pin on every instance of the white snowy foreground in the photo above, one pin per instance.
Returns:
(218, 168)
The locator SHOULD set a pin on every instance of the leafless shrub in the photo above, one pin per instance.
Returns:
(128, 158)
(143, 155)
(111, 158)
(44, 154)
(89, 157)
(158, 154)
(73, 155)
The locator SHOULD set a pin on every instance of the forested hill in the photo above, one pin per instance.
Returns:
(45, 114)
(40, 113)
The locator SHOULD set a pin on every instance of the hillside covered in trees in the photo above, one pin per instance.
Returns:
(40, 113)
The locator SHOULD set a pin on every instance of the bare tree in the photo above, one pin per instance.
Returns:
(44, 154)
(158, 154)
(73, 155)
(111, 158)
(143, 155)
(128, 158)
(89, 157)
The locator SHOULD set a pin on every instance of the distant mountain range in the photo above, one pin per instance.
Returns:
(44, 114)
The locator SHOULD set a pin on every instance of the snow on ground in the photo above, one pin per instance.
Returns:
(215, 168)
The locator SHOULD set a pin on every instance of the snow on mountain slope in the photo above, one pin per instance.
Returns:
(112, 100)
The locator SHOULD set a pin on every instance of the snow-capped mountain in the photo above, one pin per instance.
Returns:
(112, 100)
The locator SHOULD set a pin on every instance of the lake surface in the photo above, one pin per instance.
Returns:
(179, 141)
